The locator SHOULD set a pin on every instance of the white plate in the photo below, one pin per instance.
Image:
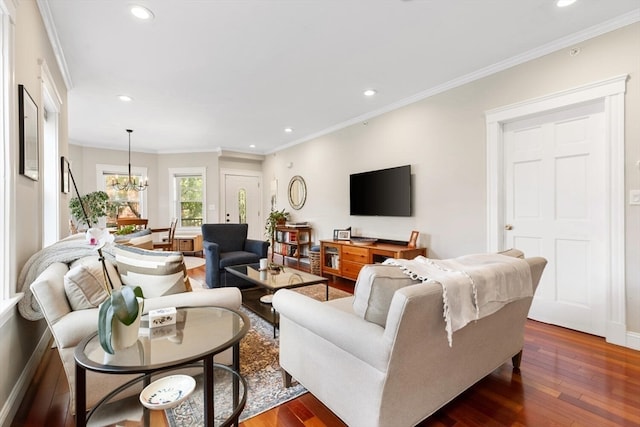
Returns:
(167, 392)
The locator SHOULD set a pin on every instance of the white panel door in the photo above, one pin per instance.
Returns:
(243, 203)
(555, 208)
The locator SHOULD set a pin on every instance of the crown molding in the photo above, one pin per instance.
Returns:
(49, 25)
(562, 43)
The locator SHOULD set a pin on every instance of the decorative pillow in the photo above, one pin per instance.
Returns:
(156, 272)
(84, 282)
(374, 291)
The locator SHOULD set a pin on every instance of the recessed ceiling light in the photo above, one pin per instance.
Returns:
(565, 3)
(141, 12)
(252, 146)
(125, 98)
(288, 130)
(369, 92)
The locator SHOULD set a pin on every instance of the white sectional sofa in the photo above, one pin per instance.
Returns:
(72, 313)
(393, 368)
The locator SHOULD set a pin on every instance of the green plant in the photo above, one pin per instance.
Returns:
(126, 229)
(273, 220)
(121, 306)
(95, 207)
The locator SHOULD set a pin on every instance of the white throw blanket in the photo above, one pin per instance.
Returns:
(65, 251)
(473, 286)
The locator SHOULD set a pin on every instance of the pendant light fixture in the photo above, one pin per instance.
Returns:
(132, 182)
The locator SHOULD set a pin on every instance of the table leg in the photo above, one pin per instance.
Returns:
(273, 311)
(236, 380)
(146, 413)
(209, 414)
(81, 396)
(326, 298)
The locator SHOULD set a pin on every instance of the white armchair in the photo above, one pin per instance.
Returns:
(393, 366)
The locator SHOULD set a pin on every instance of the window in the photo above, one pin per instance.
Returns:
(242, 206)
(122, 203)
(188, 196)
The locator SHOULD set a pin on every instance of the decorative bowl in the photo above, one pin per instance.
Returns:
(167, 392)
(363, 241)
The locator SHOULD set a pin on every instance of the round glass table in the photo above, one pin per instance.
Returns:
(188, 346)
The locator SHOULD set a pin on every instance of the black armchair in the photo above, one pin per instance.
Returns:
(225, 245)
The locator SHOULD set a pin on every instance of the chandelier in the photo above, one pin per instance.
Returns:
(132, 182)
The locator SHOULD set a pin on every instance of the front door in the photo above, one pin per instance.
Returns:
(242, 203)
(555, 207)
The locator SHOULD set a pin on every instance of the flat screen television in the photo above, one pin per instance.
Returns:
(384, 192)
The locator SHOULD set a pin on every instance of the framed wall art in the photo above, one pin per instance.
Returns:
(28, 134)
(64, 175)
(413, 240)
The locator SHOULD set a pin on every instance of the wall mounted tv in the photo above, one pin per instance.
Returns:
(384, 192)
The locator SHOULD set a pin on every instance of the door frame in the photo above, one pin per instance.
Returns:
(611, 92)
(223, 190)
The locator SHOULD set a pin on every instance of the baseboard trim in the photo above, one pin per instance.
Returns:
(633, 340)
(19, 390)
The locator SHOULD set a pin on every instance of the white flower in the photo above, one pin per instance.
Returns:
(99, 237)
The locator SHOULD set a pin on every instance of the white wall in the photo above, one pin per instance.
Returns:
(443, 138)
(21, 343)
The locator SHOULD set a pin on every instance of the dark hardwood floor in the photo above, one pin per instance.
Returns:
(567, 378)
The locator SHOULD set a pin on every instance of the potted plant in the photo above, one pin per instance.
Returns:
(119, 318)
(94, 206)
(119, 314)
(274, 219)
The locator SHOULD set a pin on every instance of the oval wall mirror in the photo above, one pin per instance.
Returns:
(297, 192)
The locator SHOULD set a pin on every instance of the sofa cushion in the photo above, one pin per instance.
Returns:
(237, 258)
(374, 291)
(84, 283)
(156, 272)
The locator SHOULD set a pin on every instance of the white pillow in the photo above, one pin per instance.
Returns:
(84, 283)
(374, 291)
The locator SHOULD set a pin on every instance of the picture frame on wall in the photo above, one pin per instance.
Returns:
(28, 135)
(413, 240)
(64, 175)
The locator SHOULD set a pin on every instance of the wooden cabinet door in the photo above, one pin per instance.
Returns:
(330, 258)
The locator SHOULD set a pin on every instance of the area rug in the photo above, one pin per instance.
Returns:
(259, 367)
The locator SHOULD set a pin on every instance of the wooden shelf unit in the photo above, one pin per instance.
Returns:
(292, 242)
(346, 259)
(189, 244)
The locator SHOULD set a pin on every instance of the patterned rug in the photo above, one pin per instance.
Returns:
(259, 367)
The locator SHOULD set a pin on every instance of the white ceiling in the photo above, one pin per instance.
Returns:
(224, 74)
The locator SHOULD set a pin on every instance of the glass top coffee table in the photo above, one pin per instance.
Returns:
(198, 335)
(267, 282)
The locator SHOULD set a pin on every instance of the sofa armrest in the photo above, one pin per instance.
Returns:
(258, 247)
(74, 327)
(211, 252)
(221, 297)
(48, 290)
(352, 334)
